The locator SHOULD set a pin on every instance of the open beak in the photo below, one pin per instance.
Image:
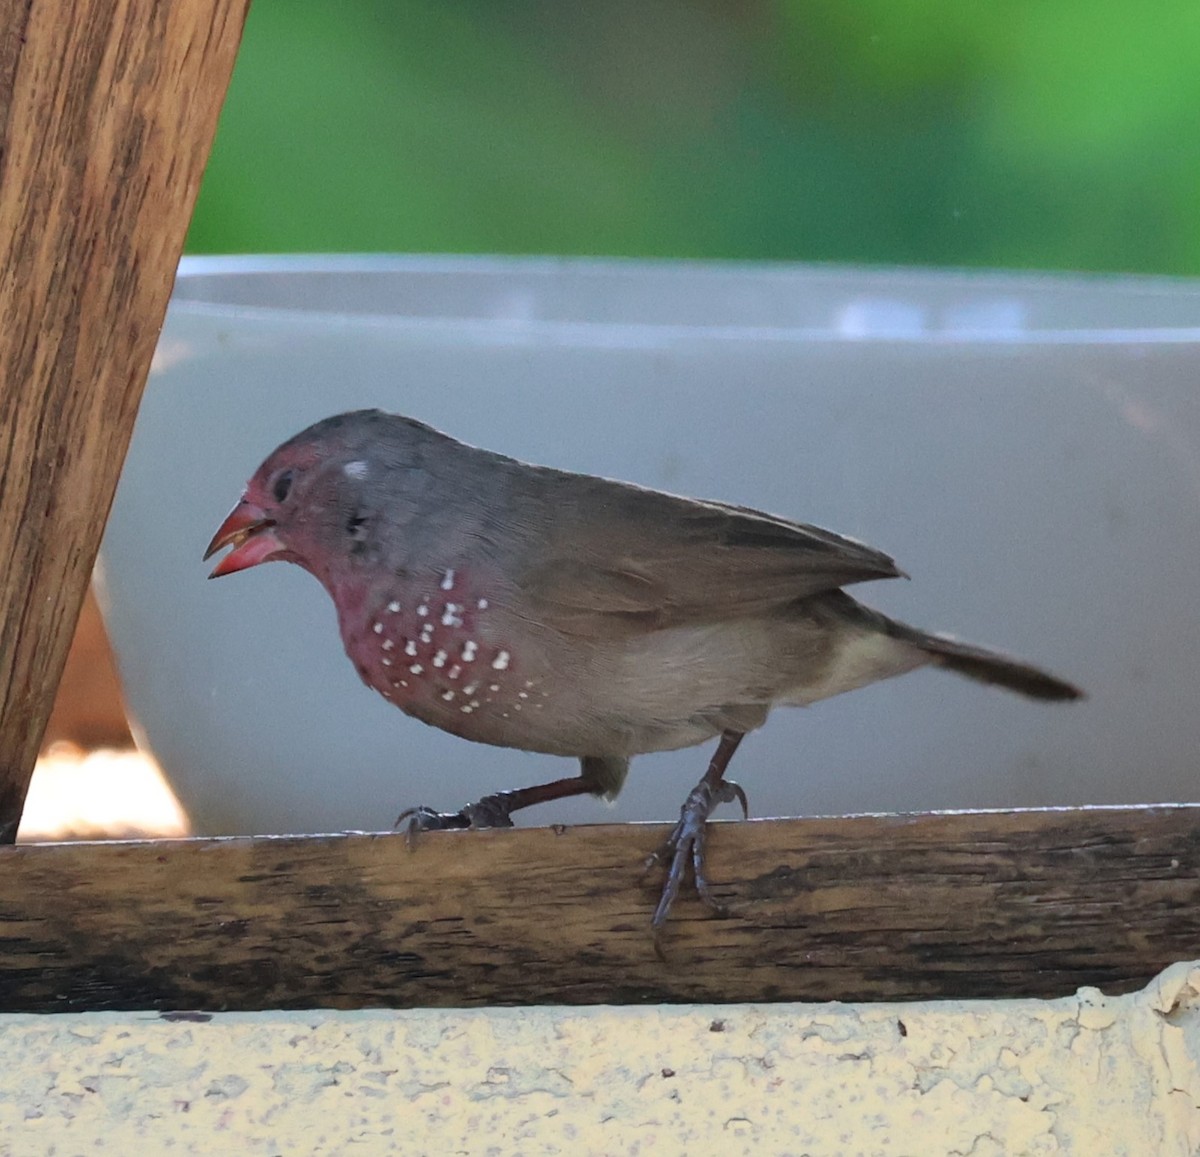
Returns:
(249, 531)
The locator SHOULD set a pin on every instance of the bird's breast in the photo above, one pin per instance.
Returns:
(438, 650)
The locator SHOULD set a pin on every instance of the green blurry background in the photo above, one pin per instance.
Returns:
(1032, 133)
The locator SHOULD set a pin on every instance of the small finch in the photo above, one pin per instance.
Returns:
(547, 611)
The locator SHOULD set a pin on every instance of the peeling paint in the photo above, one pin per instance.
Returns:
(1087, 1074)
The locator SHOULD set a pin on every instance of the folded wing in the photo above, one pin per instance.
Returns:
(652, 560)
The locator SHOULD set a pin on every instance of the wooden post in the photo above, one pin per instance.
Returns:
(107, 113)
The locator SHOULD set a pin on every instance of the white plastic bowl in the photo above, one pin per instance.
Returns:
(1027, 447)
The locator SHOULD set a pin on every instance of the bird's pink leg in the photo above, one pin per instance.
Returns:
(686, 842)
(494, 811)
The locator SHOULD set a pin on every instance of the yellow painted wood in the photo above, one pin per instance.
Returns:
(1086, 1074)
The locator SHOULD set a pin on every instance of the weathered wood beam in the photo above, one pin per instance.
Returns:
(107, 113)
(985, 904)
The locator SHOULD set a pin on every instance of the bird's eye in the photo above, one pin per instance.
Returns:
(282, 485)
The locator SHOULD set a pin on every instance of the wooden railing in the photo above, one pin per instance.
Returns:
(988, 904)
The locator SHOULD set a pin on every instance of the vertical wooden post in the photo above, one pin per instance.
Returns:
(107, 113)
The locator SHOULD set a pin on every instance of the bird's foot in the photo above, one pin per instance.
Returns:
(424, 819)
(493, 811)
(686, 845)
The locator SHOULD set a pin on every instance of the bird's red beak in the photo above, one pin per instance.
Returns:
(249, 531)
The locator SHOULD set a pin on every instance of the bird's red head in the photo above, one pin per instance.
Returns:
(326, 495)
(257, 526)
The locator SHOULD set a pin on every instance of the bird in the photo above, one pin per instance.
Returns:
(534, 608)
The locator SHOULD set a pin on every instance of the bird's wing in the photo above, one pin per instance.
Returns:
(624, 560)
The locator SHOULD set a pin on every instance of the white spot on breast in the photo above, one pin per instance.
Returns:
(427, 633)
(500, 662)
(482, 604)
(439, 660)
(528, 684)
(447, 583)
(454, 672)
(410, 648)
(386, 661)
(467, 708)
(447, 695)
(415, 669)
(394, 607)
(423, 610)
(470, 650)
(377, 628)
(522, 694)
(450, 616)
(357, 469)
(493, 686)
(470, 688)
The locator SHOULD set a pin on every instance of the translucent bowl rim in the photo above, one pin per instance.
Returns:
(200, 278)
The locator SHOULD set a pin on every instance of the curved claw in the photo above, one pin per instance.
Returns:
(425, 819)
(493, 811)
(729, 792)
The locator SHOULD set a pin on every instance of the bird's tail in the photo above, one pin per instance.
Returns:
(988, 666)
(979, 663)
